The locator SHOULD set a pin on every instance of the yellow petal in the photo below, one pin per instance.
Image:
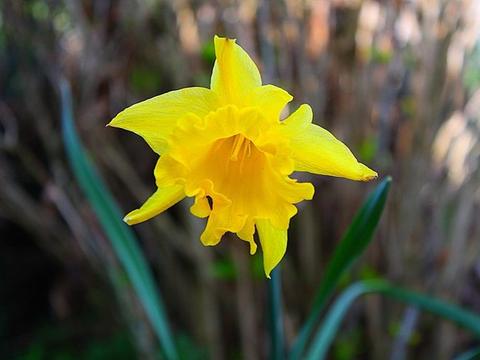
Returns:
(155, 118)
(234, 74)
(317, 151)
(244, 181)
(247, 234)
(274, 244)
(160, 201)
(201, 207)
(219, 222)
(270, 100)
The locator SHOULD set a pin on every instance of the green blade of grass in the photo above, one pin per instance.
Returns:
(352, 245)
(326, 333)
(120, 235)
(277, 345)
(469, 355)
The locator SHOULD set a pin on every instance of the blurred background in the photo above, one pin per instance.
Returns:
(398, 81)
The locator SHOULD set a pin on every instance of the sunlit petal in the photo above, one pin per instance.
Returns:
(234, 74)
(154, 119)
(317, 151)
(160, 201)
(270, 99)
(274, 244)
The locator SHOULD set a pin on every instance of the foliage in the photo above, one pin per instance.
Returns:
(121, 236)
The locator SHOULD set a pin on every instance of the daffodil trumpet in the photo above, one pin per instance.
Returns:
(227, 148)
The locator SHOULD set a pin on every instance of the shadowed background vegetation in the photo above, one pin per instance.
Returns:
(397, 81)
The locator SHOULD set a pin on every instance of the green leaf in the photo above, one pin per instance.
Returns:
(275, 321)
(469, 355)
(353, 244)
(208, 52)
(223, 269)
(329, 328)
(120, 235)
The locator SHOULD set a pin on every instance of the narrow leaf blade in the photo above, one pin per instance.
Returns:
(120, 235)
(326, 333)
(471, 354)
(354, 242)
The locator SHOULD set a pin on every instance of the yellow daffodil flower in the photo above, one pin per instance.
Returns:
(228, 149)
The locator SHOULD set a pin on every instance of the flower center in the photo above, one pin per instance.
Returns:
(241, 146)
(237, 169)
(234, 156)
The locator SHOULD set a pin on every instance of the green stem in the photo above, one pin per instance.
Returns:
(277, 347)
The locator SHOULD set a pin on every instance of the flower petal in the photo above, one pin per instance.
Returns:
(317, 151)
(160, 201)
(274, 244)
(219, 222)
(240, 178)
(155, 118)
(270, 100)
(246, 234)
(234, 74)
(201, 207)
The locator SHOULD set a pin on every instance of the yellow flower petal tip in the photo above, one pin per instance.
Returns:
(227, 148)
(130, 218)
(367, 173)
(217, 39)
(133, 217)
(161, 200)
